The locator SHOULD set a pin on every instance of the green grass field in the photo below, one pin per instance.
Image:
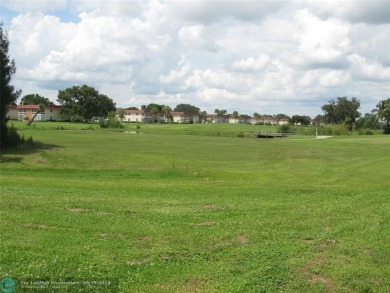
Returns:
(181, 208)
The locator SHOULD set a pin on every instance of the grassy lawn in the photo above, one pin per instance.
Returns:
(181, 208)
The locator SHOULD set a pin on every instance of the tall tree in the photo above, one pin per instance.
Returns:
(342, 111)
(84, 102)
(302, 120)
(383, 110)
(257, 117)
(35, 99)
(203, 116)
(8, 94)
(121, 113)
(167, 113)
(235, 116)
(187, 108)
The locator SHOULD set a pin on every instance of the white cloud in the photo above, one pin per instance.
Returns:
(206, 12)
(251, 63)
(368, 69)
(376, 11)
(34, 5)
(320, 43)
(281, 56)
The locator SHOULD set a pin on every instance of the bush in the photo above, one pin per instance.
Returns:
(284, 128)
(13, 139)
(76, 118)
(110, 123)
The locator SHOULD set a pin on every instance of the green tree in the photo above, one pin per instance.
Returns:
(35, 99)
(302, 120)
(235, 116)
(342, 111)
(84, 102)
(203, 117)
(167, 113)
(154, 109)
(257, 117)
(8, 94)
(369, 120)
(221, 113)
(187, 108)
(383, 110)
(282, 116)
(121, 113)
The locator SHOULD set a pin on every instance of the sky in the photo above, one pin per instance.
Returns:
(261, 56)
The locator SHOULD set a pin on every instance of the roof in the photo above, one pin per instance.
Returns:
(33, 107)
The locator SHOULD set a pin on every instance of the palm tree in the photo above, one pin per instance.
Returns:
(257, 117)
(235, 116)
(167, 113)
(383, 110)
(154, 111)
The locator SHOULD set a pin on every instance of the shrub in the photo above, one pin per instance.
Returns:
(76, 118)
(12, 138)
(284, 128)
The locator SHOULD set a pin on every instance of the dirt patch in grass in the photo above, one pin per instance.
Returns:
(242, 239)
(312, 274)
(206, 224)
(78, 210)
(43, 226)
(326, 243)
(193, 285)
(107, 235)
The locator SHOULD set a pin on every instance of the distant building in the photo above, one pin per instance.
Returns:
(149, 117)
(25, 112)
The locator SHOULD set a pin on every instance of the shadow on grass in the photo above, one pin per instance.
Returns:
(15, 155)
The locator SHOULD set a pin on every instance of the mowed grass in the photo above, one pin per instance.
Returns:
(168, 212)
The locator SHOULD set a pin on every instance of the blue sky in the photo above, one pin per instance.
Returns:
(248, 56)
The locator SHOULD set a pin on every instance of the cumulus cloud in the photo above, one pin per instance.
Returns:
(34, 6)
(236, 55)
(320, 43)
(375, 12)
(369, 69)
(206, 12)
(195, 37)
(251, 63)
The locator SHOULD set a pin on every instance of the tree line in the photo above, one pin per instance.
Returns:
(84, 103)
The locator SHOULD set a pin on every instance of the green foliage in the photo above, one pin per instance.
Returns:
(286, 128)
(35, 99)
(187, 108)
(85, 102)
(76, 118)
(370, 120)
(110, 122)
(301, 120)
(8, 95)
(383, 110)
(342, 111)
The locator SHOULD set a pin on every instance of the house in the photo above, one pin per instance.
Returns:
(161, 117)
(214, 118)
(26, 112)
(182, 117)
(283, 121)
